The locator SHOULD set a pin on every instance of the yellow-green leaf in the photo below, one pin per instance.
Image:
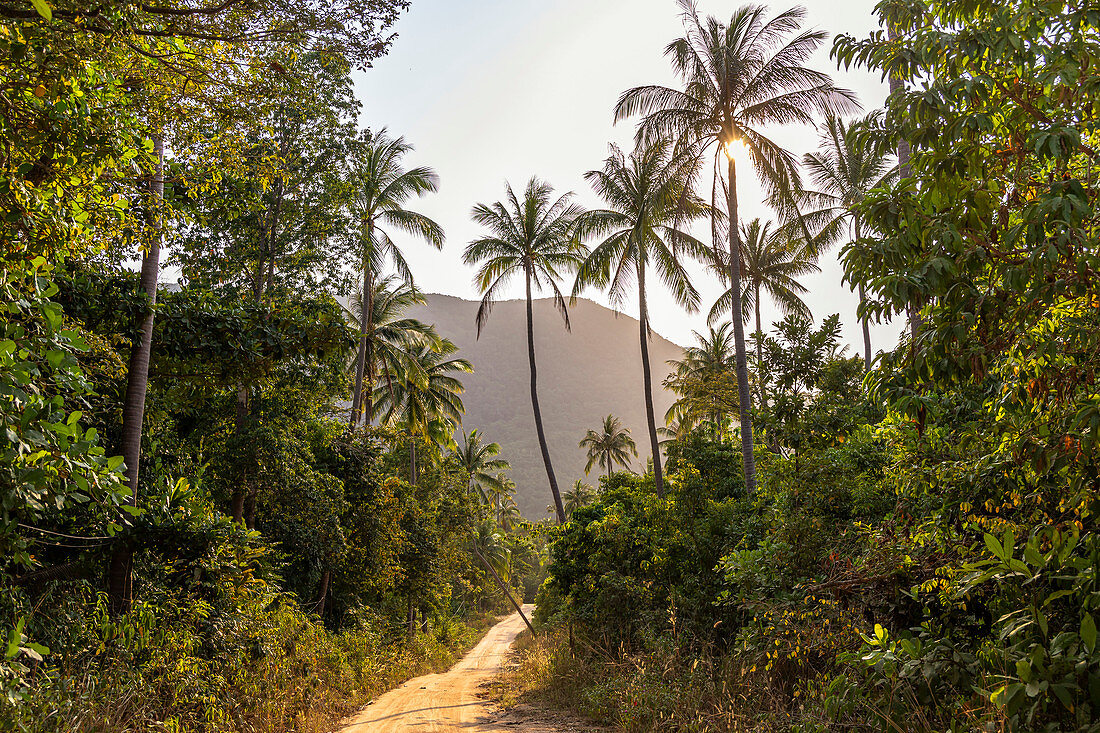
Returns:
(43, 9)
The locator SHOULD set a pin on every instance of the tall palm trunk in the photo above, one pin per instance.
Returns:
(744, 397)
(364, 370)
(535, 403)
(120, 574)
(647, 380)
(414, 477)
(904, 171)
(863, 319)
(759, 346)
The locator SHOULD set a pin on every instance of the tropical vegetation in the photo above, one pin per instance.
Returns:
(196, 535)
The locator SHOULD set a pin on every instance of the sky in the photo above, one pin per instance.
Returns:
(495, 91)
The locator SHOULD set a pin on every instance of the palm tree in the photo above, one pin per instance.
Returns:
(580, 495)
(706, 382)
(535, 238)
(478, 459)
(609, 446)
(771, 261)
(382, 186)
(648, 197)
(738, 77)
(843, 171)
(427, 408)
(392, 337)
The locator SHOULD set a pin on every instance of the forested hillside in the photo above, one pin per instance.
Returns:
(587, 372)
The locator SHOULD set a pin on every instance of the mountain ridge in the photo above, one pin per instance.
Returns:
(584, 374)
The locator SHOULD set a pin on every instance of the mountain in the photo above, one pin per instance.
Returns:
(584, 374)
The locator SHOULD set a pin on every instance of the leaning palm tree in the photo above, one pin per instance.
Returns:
(609, 446)
(533, 237)
(393, 338)
(649, 198)
(479, 460)
(843, 170)
(382, 187)
(428, 409)
(738, 78)
(771, 261)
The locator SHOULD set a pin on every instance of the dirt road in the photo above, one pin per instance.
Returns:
(440, 703)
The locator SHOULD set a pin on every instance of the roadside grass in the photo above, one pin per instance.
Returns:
(270, 671)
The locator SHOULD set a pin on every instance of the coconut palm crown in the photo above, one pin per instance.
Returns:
(738, 78)
(479, 460)
(609, 446)
(535, 238)
(382, 187)
(649, 199)
(842, 171)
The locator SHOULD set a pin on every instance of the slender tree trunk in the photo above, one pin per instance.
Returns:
(558, 506)
(897, 88)
(410, 620)
(759, 348)
(240, 491)
(120, 574)
(647, 381)
(413, 476)
(504, 589)
(365, 317)
(863, 319)
(743, 395)
(326, 578)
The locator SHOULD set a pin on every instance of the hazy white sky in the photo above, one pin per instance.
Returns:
(499, 90)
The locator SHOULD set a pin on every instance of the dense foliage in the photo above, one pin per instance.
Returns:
(277, 568)
(921, 551)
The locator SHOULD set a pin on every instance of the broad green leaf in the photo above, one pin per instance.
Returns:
(43, 9)
(1088, 632)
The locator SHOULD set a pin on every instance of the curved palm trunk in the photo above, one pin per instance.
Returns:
(120, 573)
(647, 381)
(363, 369)
(535, 405)
(744, 397)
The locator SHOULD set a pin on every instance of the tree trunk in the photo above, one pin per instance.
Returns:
(410, 620)
(558, 506)
(413, 475)
(863, 319)
(240, 491)
(647, 381)
(326, 577)
(365, 325)
(743, 395)
(759, 348)
(504, 589)
(897, 88)
(120, 575)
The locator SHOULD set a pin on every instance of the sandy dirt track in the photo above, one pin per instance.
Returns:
(441, 703)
